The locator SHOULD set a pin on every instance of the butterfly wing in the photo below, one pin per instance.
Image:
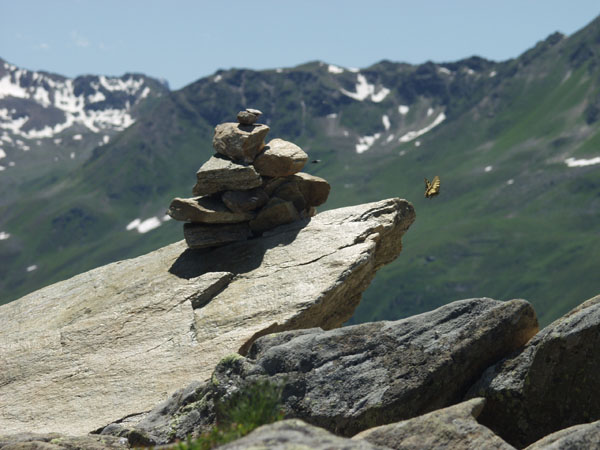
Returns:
(435, 184)
(432, 188)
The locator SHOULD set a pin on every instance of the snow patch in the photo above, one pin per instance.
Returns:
(488, 168)
(493, 73)
(444, 70)
(403, 109)
(72, 155)
(335, 69)
(143, 226)
(32, 268)
(415, 134)
(77, 137)
(2, 168)
(332, 116)
(217, 78)
(386, 122)
(2, 153)
(572, 162)
(364, 91)
(509, 182)
(389, 139)
(430, 111)
(417, 143)
(4, 235)
(365, 142)
(11, 164)
(97, 97)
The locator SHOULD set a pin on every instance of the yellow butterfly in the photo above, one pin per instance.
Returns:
(432, 189)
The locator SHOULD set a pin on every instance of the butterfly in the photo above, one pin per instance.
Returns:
(432, 188)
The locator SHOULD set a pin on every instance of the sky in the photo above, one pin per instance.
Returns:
(183, 40)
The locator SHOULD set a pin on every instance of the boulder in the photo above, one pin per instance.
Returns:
(550, 384)
(452, 427)
(280, 158)
(219, 174)
(115, 341)
(294, 434)
(276, 212)
(240, 142)
(585, 436)
(55, 441)
(353, 378)
(242, 201)
(249, 116)
(314, 189)
(199, 235)
(205, 210)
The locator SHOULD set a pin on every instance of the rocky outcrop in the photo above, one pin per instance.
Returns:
(294, 434)
(55, 441)
(551, 384)
(447, 428)
(247, 182)
(577, 437)
(115, 341)
(353, 378)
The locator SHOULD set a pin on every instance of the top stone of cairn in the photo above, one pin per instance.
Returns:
(249, 116)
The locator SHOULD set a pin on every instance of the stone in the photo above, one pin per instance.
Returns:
(198, 235)
(353, 378)
(205, 210)
(239, 142)
(249, 116)
(290, 191)
(314, 189)
(276, 212)
(294, 434)
(452, 427)
(56, 441)
(219, 174)
(114, 342)
(280, 158)
(242, 201)
(585, 436)
(551, 384)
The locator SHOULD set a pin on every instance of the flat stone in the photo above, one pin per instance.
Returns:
(239, 142)
(276, 212)
(117, 340)
(452, 427)
(205, 210)
(293, 434)
(314, 189)
(353, 378)
(551, 384)
(280, 158)
(242, 201)
(219, 174)
(198, 235)
(585, 436)
(56, 441)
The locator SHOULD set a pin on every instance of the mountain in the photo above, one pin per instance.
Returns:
(515, 144)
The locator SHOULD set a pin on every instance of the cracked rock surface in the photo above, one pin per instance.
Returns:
(115, 341)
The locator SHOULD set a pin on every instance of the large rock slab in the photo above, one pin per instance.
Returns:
(551, 384)
(577, 437)
(447, 428)
(205, 210)
(353, 378)
(220, 174)
(294, 434)
(240, 142)
(55, 441)
(115, 341)
(280, 158)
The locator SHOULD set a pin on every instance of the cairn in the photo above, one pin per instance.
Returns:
(247, 187)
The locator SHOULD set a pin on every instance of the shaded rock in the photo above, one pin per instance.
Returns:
(452, 427)
(357, 377)
(271, 184)
(280, 158)
(205, 210)
(239, 142)
(115, 341)
(199, 235)
(249, 116)
(276, 212)
(551, 384)
(290, 191)
(219, 174)
(294, 434)
(241, 201)
(577, 437)
(55, 441)
(314, 189)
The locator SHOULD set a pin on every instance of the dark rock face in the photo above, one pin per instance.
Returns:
(357, 377)
(551, 384)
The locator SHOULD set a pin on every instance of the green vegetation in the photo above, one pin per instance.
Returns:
(255, 405)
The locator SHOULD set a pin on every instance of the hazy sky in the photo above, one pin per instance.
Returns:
(183, 40)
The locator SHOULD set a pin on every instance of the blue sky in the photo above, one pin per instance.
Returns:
(181, 40)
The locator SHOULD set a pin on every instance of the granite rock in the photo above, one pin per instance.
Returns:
(205, 210)
(577, 437)
(280, 158)
(239, 142)
(220, 174)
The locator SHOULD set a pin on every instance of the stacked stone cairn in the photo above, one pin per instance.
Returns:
(247, 187)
